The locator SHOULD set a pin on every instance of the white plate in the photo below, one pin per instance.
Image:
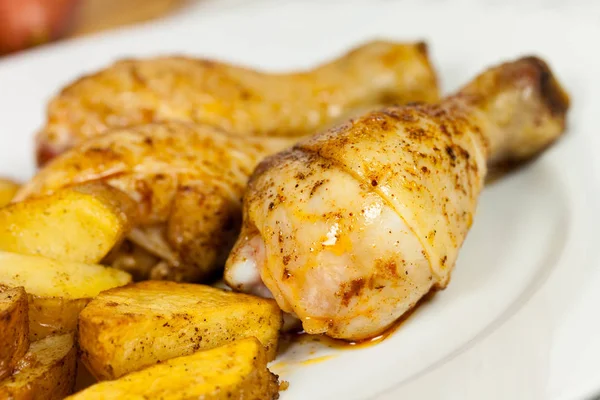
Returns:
(520, 318)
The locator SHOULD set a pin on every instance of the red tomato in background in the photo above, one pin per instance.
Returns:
(25, 23)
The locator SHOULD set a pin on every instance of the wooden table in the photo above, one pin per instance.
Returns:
(100, 15)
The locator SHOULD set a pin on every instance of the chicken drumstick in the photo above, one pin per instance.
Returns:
(239, 100)
(187, 181)
(350, 228)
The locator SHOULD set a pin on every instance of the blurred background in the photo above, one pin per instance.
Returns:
(28, 23)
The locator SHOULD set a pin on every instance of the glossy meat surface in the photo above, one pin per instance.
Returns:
(237, 99)
(350, 228)
(187, 181)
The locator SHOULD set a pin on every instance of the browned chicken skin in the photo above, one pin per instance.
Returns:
(236, 99)
(350, 228)
(187, 180)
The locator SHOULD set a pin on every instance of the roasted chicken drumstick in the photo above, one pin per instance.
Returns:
(350, 228)
(239, 100)
(187, 180)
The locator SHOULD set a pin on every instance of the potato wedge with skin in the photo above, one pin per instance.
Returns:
(47, 371)
(53, 315)
(129, 328)
(57, 291)
(76, 224)
(234, 371)
(8, 189)
(14, 329)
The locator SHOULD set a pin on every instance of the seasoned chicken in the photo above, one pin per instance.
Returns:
(239, 100)
(187, 181)
(349, 229)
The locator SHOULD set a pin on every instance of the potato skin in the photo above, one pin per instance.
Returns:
(236, 370)
(128, 328)
(46, 372)
(53, 315)
(14, 328)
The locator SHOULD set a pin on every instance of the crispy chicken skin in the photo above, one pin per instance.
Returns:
(236, 99)
(350, 228)
(187, 180)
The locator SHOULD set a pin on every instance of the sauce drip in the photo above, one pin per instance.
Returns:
(303, 337)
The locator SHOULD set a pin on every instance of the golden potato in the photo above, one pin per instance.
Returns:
(8, 189)
(14, 328)
(234, 371)
(129, 328)
(57, 291)
(77, 224)
(47, 371)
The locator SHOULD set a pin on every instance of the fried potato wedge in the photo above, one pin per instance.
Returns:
(8, 189)
(47, 371)
(75, 224)
(129, 328)
(57, 291)
(234, 371)
(14, 329)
